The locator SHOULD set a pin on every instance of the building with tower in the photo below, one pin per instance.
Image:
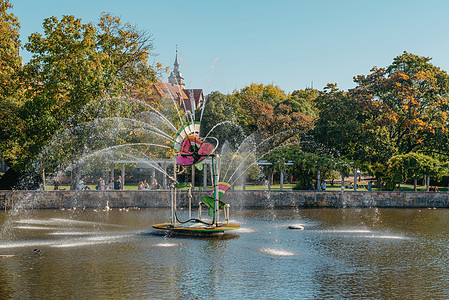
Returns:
(188, 99)
(175, 77)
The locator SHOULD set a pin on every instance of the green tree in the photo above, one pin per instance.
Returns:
(407, 104)
(340, 125)
(221, 110)
(74, 64)
(256, 105)
(304, 166)
(10, 88)
(414, 166)
(125, 51)
(10, 61)
(303, 101)
(269, 110)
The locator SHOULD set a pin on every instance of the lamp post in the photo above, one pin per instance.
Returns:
(318, 178)
(355, 176)
(281, 179)
(342, 170)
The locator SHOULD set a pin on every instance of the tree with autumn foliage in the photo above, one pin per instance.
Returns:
(396, 110)
(269, 110)
(407, 104)
(11, 90)
(10, 61)
(73, 64)
(256, 103)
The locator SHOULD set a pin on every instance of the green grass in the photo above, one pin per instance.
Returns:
(275, 187)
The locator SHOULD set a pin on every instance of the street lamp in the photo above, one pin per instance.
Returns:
(318, 178)
(342, 171)
(355, 176)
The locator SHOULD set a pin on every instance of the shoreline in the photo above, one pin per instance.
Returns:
(237, 199)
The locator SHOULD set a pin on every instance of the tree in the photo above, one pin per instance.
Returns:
(304, 165)
(256, 104)
(74, 64)
(303, 101)
(414, 166)
(339, 127)
(10, 88)
(305, 168)
(268, 110)
(10, 61)
(125, 51)
(282, 119)
(221, 110)
(407, 104)
(395, 110)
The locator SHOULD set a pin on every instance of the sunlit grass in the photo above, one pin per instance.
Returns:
(274, 187)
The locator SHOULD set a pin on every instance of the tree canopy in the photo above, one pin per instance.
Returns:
(72, 64)
(406, 104)
(393, 124)
(11, 90)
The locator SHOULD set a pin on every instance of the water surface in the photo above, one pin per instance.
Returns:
(359, 253)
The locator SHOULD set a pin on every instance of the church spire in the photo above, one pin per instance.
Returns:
(176, 76)
(176, 64)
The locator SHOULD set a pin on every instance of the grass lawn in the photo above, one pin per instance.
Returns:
(251, 187)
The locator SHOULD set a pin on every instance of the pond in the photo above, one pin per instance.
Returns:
(360, 253)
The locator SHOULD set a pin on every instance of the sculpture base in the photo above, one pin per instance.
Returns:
(201, 231)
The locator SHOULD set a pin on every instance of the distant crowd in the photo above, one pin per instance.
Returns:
(112, 185)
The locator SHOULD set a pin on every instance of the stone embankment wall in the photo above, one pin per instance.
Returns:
(237, 199)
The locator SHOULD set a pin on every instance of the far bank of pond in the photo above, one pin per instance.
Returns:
(237, 199)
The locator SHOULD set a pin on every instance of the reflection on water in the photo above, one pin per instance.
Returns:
(358, 253)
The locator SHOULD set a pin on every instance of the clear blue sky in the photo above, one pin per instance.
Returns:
(226, 45)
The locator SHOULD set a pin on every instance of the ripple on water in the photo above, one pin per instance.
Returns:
(167, 244)
(366, 233)
(276, 252)
(23, 244)
(244, 230)
(61, 221)
(348, 231)
(74, 233)
(386, 237)
(89, 241)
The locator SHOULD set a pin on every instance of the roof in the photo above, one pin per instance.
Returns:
(165, 89)
(168, 90)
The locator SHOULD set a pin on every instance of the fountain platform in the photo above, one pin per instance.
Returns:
(199, 231)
